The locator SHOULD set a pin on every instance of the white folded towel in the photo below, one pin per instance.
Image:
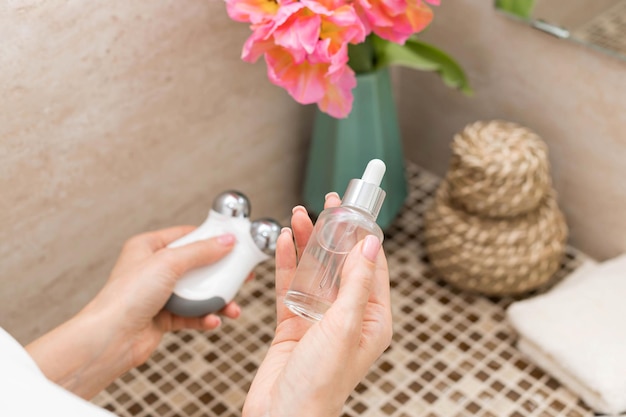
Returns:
(577, 333)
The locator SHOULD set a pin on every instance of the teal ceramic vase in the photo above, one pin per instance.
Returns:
(341, 148)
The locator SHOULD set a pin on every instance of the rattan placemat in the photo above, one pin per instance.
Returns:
(452, 353)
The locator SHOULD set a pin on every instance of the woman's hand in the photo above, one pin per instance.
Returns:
(125, 322)
(311, 369)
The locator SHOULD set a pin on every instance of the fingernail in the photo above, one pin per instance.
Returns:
(285, 230)
(370, 248)
(227, 240)
(331, 194)
(299, 208)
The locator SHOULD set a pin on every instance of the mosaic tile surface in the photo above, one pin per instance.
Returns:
(452, 353)
(607, 30)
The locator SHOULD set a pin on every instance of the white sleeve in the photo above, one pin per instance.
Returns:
(25, 391)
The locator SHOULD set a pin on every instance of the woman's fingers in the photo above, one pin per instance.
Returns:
(357, 281)
(381, 291)
(290, 246)
(231, 310)
(172, 322)
(158, 239)
(140, 247)
(331, 200)
(193, 255)
(302, 228)
(285, 269)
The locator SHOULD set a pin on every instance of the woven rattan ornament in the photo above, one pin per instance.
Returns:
(495, 226)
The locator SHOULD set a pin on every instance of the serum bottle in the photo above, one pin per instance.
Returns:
(336, 232)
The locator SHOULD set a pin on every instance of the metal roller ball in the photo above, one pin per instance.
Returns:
(265, 233)
(232, 203)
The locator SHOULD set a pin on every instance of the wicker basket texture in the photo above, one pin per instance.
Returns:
(495, 226)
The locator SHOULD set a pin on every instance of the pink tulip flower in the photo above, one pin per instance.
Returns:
(395, 20)
(323, 78)
(252, 11)
(305, 42)
(305, 48)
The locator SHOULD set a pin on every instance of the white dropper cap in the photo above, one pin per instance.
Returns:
(365, 193)
(374, 172)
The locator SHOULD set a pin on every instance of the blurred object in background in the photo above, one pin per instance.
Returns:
(495, 226)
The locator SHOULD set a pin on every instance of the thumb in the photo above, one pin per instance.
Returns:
(181, 259)
(357, 279)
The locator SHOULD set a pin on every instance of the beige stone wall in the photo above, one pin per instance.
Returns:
(127, 117)
(571, 14)
(123, 117)
(574, 97)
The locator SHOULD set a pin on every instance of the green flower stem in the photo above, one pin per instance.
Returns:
(376, 53)
(361, 56)
(519, 8)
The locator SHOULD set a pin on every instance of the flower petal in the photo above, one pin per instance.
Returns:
(253, 11)
(343, 26)
(258, 43)
(337, 101)
(299, 32)
(395, 20)
(305, 82)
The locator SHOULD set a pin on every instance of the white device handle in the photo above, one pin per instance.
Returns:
(208, 289)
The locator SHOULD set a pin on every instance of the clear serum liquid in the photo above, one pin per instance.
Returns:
(337, 230)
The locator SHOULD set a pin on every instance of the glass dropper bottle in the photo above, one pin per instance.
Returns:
(336, 232)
